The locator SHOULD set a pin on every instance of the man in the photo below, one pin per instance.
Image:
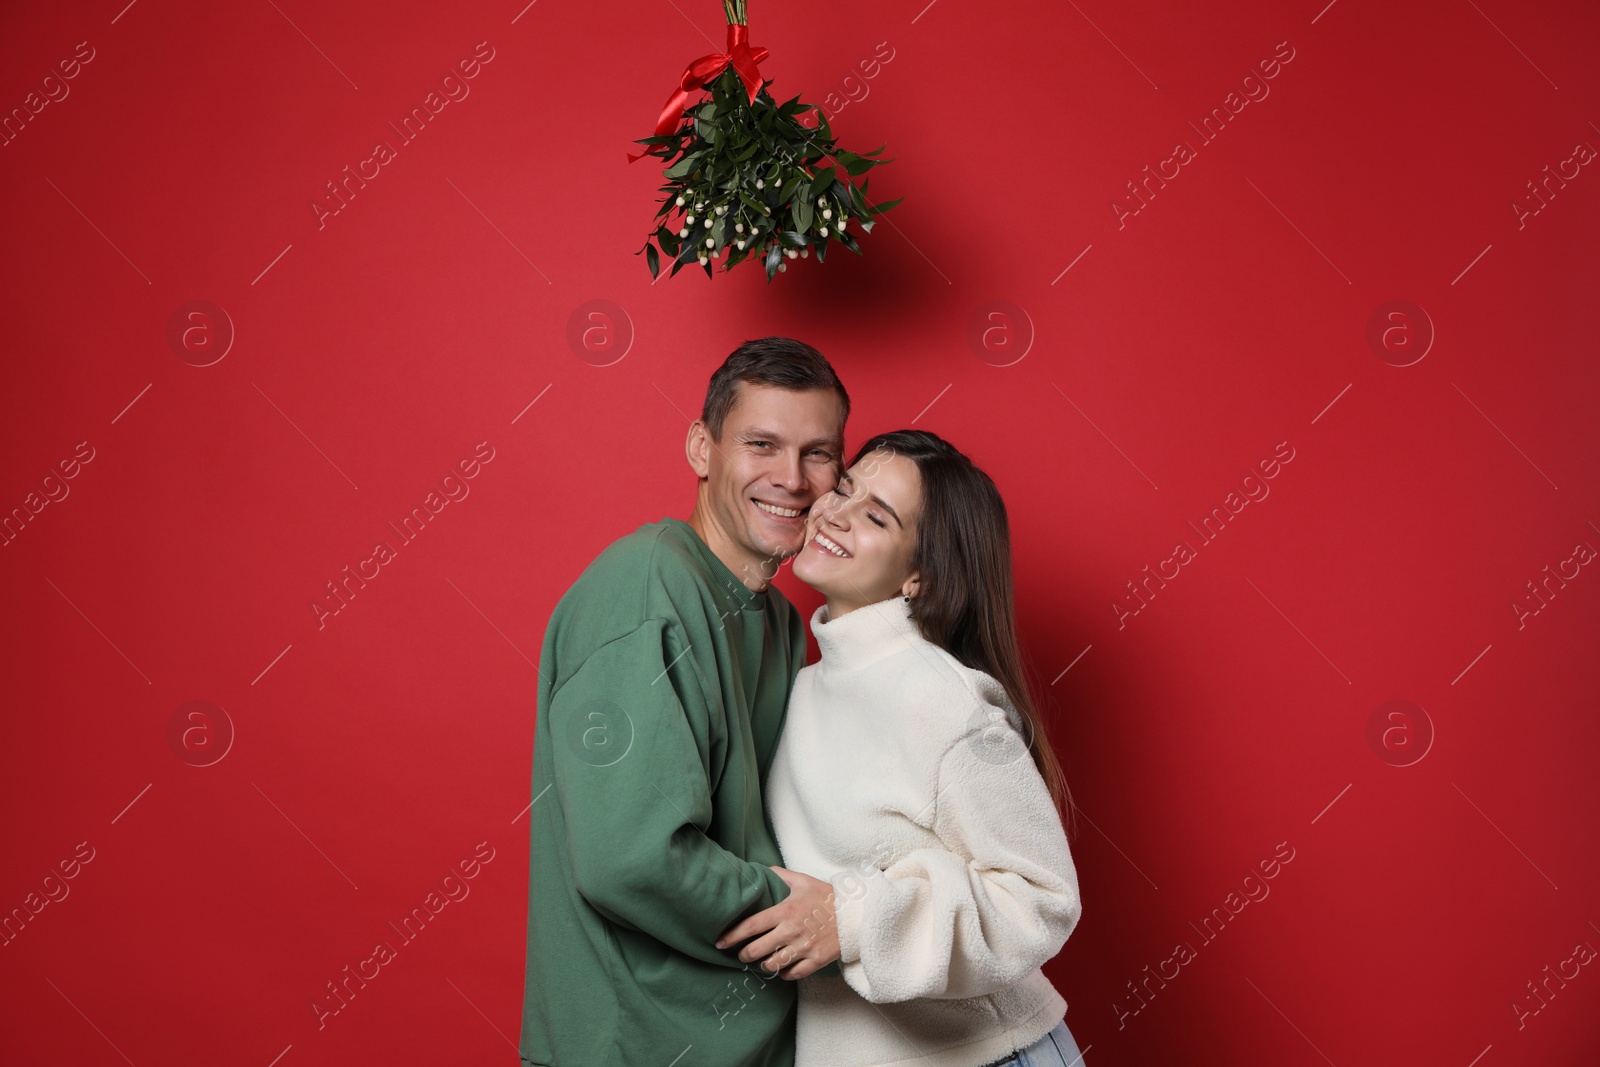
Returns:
(664, 677)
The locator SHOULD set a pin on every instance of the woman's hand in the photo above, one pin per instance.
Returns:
(799, 934)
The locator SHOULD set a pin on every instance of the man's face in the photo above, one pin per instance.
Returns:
(780, 450)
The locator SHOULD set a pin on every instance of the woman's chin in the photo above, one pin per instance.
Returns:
(804, 571)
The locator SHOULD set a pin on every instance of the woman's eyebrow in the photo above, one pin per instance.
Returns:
(878, 500)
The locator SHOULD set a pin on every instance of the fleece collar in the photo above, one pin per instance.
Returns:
(866, 634)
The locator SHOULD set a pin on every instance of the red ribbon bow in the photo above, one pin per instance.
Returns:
(743, 59)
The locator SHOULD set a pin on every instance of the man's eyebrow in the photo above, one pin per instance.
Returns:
(878, 500)
(756, 431)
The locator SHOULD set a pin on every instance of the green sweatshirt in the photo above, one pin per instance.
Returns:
(662, 690)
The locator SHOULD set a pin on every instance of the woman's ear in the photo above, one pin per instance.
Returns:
(908, 587)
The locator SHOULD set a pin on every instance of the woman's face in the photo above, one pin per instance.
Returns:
(861, 536)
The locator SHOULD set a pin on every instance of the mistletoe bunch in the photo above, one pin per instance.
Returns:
(748, 179)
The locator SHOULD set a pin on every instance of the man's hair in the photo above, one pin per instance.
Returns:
(778, 361)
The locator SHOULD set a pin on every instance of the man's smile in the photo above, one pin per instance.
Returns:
(787, 516)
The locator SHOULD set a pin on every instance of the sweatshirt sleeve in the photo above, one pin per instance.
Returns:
(982, 912)
(631, 741)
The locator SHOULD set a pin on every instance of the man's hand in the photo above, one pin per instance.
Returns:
(799, 934)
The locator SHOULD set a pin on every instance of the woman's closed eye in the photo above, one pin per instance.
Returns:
(839, 490)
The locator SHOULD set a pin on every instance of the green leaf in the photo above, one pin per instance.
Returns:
(681, 169)
(886, 205)
(653, 259)
(822, 183)
(774, 257)
(849, 242)
(801, 214)
(822, 250)
(793, 238)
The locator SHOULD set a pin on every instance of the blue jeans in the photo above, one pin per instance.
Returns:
(1055, 1049)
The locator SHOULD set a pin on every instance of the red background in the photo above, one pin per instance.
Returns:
(375, 351)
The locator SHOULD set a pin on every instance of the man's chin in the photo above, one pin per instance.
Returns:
(786, 551)
(779, 549)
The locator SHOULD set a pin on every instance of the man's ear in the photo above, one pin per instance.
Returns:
(698, 448)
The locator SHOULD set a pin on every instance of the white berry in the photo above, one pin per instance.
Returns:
(684, 232)
(689, 219)
(680, 201)
(823, 231)
(738, 227)
(711, 242)
(827, 213)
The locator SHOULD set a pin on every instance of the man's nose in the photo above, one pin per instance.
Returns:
(792, 474)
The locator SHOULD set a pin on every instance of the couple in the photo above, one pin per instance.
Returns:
(737, 862)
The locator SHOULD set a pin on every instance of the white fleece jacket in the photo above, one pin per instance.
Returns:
(902, 778)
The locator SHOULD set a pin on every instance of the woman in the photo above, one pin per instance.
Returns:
(904, 777)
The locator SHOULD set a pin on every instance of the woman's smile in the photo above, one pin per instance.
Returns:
(823, 543)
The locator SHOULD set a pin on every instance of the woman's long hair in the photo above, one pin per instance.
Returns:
(964, 602)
